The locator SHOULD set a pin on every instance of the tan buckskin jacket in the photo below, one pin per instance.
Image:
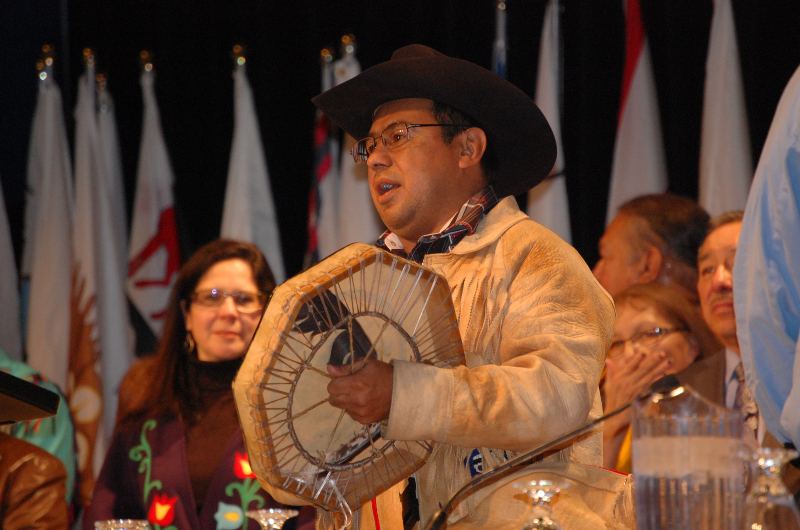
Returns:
(535, 326)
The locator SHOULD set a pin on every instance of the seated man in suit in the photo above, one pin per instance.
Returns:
(720, 378)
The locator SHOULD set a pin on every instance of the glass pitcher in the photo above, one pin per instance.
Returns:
(687, 463)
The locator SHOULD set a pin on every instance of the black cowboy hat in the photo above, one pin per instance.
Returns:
(515, 127)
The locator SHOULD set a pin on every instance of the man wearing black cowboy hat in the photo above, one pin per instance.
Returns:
(447, 145)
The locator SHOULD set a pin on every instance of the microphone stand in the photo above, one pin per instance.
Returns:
(667, 383)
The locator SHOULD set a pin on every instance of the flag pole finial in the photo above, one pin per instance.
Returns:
(146, 60)
(348, 44)
(45, 65)
(239, 55)
(89, 61)
(88, 57)
(101, 81)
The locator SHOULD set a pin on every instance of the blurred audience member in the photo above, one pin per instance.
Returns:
(178, 457)
(653, 238)
(766, 275)
(657, 332)
(56, 434)
(33, 487)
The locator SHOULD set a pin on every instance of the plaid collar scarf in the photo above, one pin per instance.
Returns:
(462, 225)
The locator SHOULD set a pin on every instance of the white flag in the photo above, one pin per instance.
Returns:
(48, 244)
(109, 146)
(547, 202)
(249, 211)
(111, 255)
(357, 219)
(102, 352)
(726, 166)
(153, 254)
(10, 330)
(639, 165)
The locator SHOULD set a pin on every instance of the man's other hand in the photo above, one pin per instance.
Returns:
(363, 390)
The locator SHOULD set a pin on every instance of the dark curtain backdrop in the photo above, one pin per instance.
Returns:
(191, 43)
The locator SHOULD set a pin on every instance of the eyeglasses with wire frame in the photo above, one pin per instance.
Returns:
(244, 301)
(642, 339)
(392, 136)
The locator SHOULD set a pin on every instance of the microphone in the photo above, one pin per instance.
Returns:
(666, 384)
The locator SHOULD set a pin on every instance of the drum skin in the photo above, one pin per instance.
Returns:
(360, 302)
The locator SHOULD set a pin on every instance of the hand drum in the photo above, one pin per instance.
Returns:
(360, 302)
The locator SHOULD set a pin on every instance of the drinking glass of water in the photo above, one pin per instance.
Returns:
(769, 505)
(541, 493)
(122, 524)
(271, 518)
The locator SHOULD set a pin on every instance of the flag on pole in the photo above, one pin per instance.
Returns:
(325, 184)
(109, 146)
(639, 165)
(43, 142)
(499, 47)
(324, 199)
(726, 166)
(10, 330)
(357, 219)
(547, 202)
(47, 250)
(97, 283)
(48, 237)
(153, 254)
(249, 210)
(101, 231)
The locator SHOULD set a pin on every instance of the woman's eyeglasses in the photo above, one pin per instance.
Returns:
(245, 301)
(642, 339)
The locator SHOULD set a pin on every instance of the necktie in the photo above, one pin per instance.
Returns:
(743, 402)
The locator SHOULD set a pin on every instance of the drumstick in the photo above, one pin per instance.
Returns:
(370, 352)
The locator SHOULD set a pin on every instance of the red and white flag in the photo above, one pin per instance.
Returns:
(48, 238)
(153, 253)
(357, 218)
(249, 210)
(547, 202)
(639, 165)
(323, 195)
(10, 327)
(726, 165)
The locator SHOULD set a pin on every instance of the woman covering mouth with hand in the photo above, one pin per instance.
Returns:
(657, 332)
